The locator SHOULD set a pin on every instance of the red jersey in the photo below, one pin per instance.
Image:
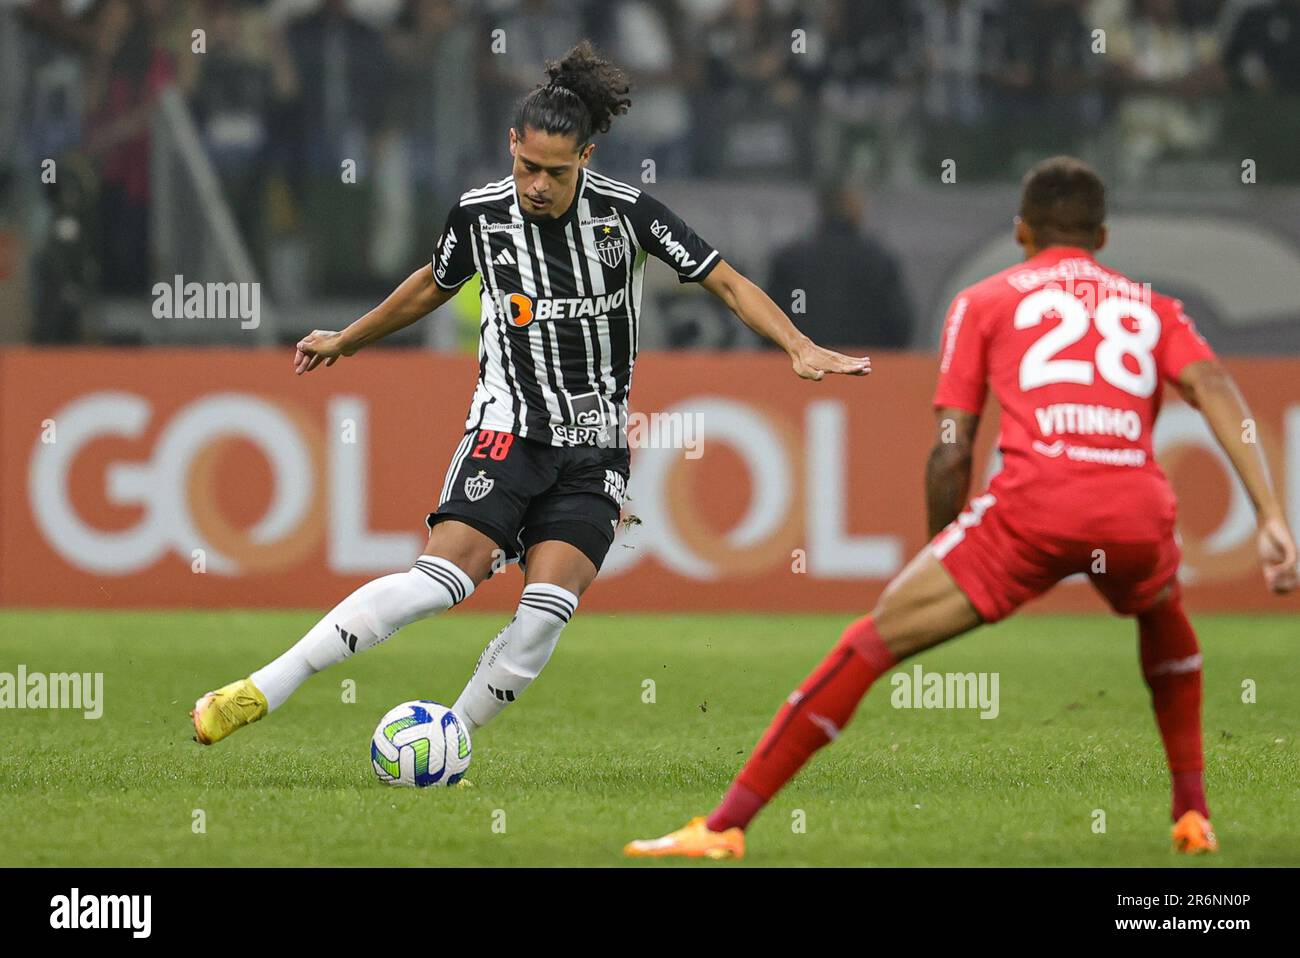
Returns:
(1076, 354)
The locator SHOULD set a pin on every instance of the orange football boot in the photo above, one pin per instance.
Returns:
(693, 840)
(1193, 835)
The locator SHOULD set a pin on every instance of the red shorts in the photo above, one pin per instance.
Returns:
(1000, 564)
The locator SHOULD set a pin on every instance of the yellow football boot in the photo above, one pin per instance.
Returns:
(230, 707)
(694, 840)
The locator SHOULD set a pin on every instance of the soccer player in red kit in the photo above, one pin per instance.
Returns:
(1076, 354)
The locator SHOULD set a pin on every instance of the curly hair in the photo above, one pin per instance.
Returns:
(583, 95)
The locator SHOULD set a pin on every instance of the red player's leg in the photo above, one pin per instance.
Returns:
(979, 569)
(920, 609)
(1141, 580)
(1171, 665)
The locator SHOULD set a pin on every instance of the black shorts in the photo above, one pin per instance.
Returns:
(519, 492)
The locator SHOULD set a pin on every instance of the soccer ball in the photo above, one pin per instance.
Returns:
(420, 744)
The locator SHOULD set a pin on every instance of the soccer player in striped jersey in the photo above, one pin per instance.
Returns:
(543, 467)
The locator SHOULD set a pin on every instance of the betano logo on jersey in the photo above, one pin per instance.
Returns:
(520, 310)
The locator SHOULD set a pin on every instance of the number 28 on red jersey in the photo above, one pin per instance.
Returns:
(1075, 354)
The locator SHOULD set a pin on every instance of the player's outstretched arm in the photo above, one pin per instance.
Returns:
(757, 311)
(415, 298)
(947, 471)
(1209, 387)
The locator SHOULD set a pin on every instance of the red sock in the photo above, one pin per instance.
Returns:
(812, 716)
(1171, 665)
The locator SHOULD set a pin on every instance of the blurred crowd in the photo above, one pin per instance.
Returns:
(417, 95)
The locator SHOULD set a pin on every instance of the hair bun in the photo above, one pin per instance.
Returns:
(599, 93)
(600, 85)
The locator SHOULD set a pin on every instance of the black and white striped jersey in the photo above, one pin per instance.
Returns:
(561, 301)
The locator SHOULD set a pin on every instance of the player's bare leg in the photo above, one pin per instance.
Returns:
(1171, 666)
(920, 608)
(556, 575)
(560, 564)
(463, 546)
(455, 560)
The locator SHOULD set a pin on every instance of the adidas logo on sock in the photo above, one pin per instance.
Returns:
(504, 258)
(349, 638)
(505, 695)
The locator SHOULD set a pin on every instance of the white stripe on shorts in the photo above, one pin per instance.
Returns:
(955, 532)
(457, 458)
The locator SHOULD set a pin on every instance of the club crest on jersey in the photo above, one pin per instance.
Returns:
(478, 486)
(611, 249)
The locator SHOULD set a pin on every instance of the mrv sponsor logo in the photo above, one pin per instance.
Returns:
(55, 690)
(672, 247)
(444, 254)
(919, 689)
(181, 300)
(75, 910)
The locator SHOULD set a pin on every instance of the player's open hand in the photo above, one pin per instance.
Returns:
(811, 361)
(1277, 555)
(318, 346)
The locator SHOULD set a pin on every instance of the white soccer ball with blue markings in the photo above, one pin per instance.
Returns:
(420, 744)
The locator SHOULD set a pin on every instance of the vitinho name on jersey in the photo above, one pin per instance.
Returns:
(1079, 419)
(522, 310)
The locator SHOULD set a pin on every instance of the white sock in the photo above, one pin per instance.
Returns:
(517, 655)
(363, 620)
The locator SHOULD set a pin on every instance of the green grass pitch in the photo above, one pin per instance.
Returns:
(583, 763)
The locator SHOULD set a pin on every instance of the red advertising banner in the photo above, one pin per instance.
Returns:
(217, 478)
